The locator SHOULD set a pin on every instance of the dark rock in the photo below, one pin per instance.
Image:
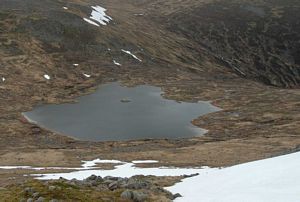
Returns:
(29, 190)
(125, 100)
(192, 175)
(92, 177)
(36, 130)
(112, 186)
(177, 195)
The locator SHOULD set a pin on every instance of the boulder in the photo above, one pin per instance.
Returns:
(134, 196)
(127, 195)
(177, 195)
(139, 196)
(40, 199)
(35, 194)
(92, 177)
(29, 190)
(112, 186)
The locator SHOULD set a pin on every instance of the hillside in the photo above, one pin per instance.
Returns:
(243, 56)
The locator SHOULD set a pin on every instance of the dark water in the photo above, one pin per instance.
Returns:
(103, 116)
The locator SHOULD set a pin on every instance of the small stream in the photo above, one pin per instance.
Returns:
(116, 113)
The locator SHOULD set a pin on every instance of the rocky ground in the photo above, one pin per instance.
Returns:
(94, 188)
(241, 56)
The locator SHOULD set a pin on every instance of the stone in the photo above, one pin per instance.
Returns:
(22, 200)
(127, 195)
(99, 179)
(52, 188)
(40, 199)
(92, 177)
(136, 196)
(29, 190)
(137, 185)
(94, 183)
(139, 196)
(125, 100)
(107, 182)
(35, 194)
(192, 175)
(30, 200)
(53, 200)
(111, 178)
(112, 186)
(177, 195)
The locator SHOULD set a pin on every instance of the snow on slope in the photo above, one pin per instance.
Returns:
(126, 169)
(98, 16)
(270, 180)
(116, 63)
(129, 53)
(46, 76)
(87, 75)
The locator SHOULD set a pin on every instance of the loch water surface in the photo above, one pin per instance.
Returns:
(115, 112)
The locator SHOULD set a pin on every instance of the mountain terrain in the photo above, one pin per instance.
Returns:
(243, 56)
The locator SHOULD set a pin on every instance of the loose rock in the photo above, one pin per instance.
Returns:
(40, 199)
(35, 195)
(127, 195)
(52, 188)
(30, 200)
(112, 186)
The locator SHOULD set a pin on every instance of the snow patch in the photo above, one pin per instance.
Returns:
(90, 164)
(75, 65)
(91, 22)
(274, 179)
(116, 63)
(46, 76)
(124, 170)
(65, 8)
(3, 79)
(87, 75)
(144, 161)
(129, 53)
(98, 16)
(14, 167)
